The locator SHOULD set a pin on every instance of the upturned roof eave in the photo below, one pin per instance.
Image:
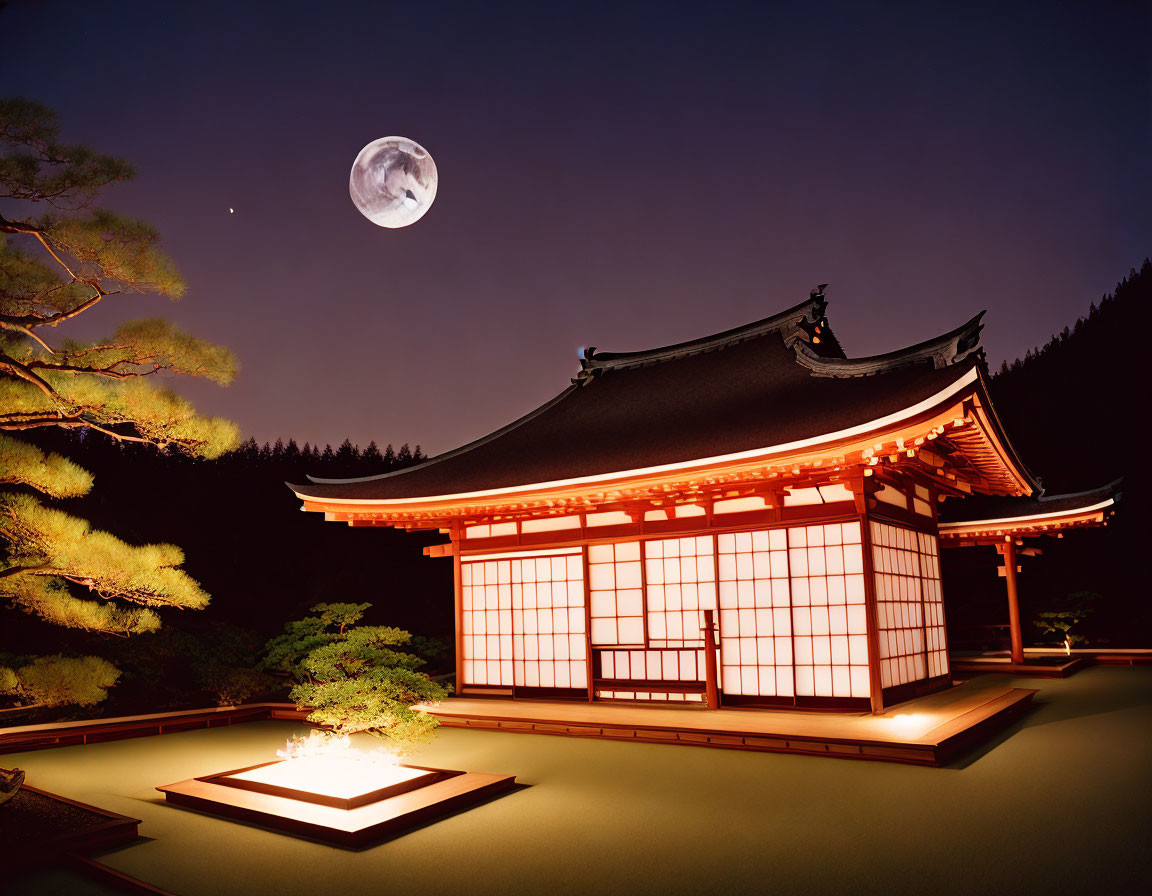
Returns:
(1043, 507)
(1008, 451)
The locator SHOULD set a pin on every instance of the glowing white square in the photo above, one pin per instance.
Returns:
(630, 603)
(631, 630)
(601, 577)
(331, 776)
(628, 575)
(599, 553)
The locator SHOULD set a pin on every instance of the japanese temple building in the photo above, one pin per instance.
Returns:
(756, 486)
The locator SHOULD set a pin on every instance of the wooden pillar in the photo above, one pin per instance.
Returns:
(458, 592)
(1009, 554)
(588, 624)
(712, 689)
(875, 684)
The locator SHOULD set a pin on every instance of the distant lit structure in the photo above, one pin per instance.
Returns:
(750, 518)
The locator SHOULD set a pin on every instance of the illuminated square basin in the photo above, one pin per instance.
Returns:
(347, 803)
(342, 783)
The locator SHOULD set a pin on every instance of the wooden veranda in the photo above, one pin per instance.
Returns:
(930, 730)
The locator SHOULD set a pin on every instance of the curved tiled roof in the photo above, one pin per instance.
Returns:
(986, 508)
(741, 390)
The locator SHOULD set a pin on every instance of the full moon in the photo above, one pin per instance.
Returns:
(393, 181)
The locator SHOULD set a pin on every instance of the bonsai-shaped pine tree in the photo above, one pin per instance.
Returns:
(359, 682)
(286, 653)
(59, 259)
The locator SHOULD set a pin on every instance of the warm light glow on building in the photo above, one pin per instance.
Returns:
(758, 476)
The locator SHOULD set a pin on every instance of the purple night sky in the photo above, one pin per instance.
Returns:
(623, 175)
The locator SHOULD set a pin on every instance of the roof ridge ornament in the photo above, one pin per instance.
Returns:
(786, 323)
(815, 326)
(587, 370)
(952, 348)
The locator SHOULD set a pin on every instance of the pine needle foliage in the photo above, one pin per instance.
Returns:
(60, 258)
(287, 652)
(56, 476)
(49, 549)
(358, 680)
(60, 680)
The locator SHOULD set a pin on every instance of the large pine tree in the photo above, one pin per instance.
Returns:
(59, 258)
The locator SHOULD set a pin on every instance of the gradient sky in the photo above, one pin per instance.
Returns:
(624, 175)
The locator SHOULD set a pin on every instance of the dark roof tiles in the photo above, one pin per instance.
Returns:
(710, 397)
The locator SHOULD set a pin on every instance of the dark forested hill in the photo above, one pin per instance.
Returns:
(1076, 409)
(1076, 406)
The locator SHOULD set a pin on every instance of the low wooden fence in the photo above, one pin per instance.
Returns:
(18, 739)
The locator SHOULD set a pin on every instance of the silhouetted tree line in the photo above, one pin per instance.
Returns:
(347, 460)
(1076, 402)
(1075, 409)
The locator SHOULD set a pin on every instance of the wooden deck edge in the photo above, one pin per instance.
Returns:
(1122, 659)
(979, 723)
(846, 748)
(1023, 670)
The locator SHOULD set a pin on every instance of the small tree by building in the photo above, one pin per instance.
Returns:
(356, 679)
(286, 653)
